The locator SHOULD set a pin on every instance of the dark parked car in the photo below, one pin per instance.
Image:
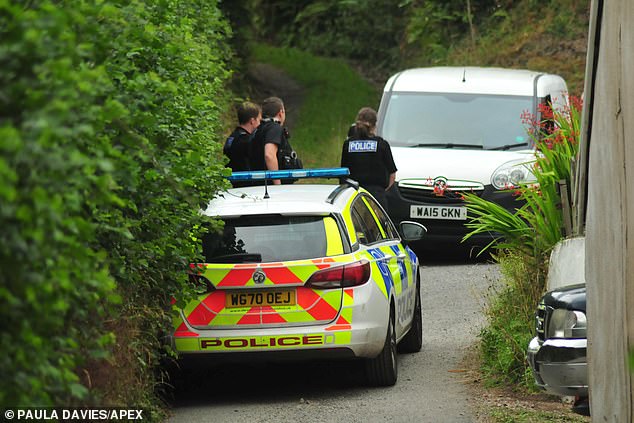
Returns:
(557, 355)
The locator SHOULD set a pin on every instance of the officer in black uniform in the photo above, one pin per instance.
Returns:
(236, 146)
(270, 148)
(369, 157)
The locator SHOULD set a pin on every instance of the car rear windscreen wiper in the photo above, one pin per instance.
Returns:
(509, 146)
(237, 258)
(449, 145)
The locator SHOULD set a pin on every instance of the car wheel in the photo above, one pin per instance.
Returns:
(413, 341)
(383, 369)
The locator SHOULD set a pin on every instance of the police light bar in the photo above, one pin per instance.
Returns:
(254, 175)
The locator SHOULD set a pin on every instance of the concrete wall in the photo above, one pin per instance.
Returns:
(610, 216)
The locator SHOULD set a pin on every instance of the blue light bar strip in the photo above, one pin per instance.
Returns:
(330, 172)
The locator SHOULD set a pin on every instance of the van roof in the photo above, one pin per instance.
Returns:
(472, 80)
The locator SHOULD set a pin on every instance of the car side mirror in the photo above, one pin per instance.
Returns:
(412, 231)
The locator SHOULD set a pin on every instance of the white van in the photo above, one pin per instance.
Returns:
(460, 129)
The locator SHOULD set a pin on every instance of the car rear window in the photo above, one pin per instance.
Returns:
(267, 238)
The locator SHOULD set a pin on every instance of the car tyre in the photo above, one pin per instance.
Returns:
(383, 369)
(413, 341)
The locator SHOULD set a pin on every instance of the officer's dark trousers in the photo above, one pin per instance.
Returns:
(379, 194)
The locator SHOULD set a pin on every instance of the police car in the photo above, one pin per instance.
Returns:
(304, 270)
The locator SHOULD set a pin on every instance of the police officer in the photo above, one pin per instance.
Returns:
(270, 148)
(369, 157)
(236, 146)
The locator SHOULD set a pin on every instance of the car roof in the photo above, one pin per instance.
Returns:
(297, 199)
(476, 80)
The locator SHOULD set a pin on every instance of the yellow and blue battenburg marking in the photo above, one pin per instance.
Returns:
(379, 257)
(402, 269)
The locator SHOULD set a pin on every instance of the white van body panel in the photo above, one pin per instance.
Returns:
(467, 165)
(476, 80)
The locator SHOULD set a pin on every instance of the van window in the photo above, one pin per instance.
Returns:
(266, 239)
(482, 121)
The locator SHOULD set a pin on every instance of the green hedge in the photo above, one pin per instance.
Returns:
(108, 116)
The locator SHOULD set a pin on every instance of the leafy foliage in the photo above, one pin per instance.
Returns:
(434, 26)
(108, 116)
(368, 31)
(510, 316)
(548, 36)
(384, 37)
(240, 15)
(377, 33)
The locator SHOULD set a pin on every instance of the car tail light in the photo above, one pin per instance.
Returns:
(352, 274)
(201, 282)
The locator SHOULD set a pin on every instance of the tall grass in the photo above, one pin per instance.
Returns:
(510, 315)
(333, 95)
